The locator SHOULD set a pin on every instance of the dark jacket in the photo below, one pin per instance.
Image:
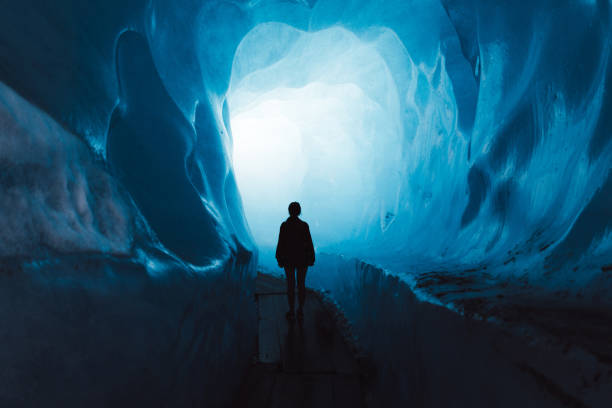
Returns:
(295, 244)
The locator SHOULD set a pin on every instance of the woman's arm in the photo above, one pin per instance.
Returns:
(310, 253)
(280, 246)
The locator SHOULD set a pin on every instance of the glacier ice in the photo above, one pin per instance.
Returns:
(165, 195)
(418, 136)
(56, 196)
(483, 152)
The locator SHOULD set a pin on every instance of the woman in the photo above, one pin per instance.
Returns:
(295, 253)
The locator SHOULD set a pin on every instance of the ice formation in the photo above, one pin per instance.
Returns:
(465, 143)
(471, 148)
(417, 135)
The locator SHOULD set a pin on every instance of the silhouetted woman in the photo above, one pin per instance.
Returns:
(295, 252)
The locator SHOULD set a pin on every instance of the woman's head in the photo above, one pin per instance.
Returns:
(295, 209)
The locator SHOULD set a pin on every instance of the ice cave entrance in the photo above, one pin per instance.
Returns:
(314, 118)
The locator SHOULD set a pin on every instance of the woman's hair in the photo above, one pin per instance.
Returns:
(295, 209)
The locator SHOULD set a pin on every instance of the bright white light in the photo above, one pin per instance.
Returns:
(320, 128)
(269, 165)
(268, 149)
(310, 145)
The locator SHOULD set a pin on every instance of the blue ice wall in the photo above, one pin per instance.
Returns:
(138, 142)
(103, 331)
(70, 62)
(127, 267)
(540, 145)
(416, 349)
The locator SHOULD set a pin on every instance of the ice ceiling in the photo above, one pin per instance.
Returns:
(415, 134)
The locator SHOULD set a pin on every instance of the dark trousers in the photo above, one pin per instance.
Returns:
(290, 272)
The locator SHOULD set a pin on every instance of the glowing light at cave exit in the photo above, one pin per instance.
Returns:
(301, 144)
(319, 126)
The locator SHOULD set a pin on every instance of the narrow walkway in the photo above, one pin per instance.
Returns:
(298, 365)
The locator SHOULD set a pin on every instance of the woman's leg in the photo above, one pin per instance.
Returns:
(301, 283)
(290, 274)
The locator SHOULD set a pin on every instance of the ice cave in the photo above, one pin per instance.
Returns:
(452, 159)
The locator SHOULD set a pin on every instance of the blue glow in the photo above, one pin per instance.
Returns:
(328, 116)
(149, 149)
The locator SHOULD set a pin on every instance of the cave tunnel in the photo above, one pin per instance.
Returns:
(452, 159)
